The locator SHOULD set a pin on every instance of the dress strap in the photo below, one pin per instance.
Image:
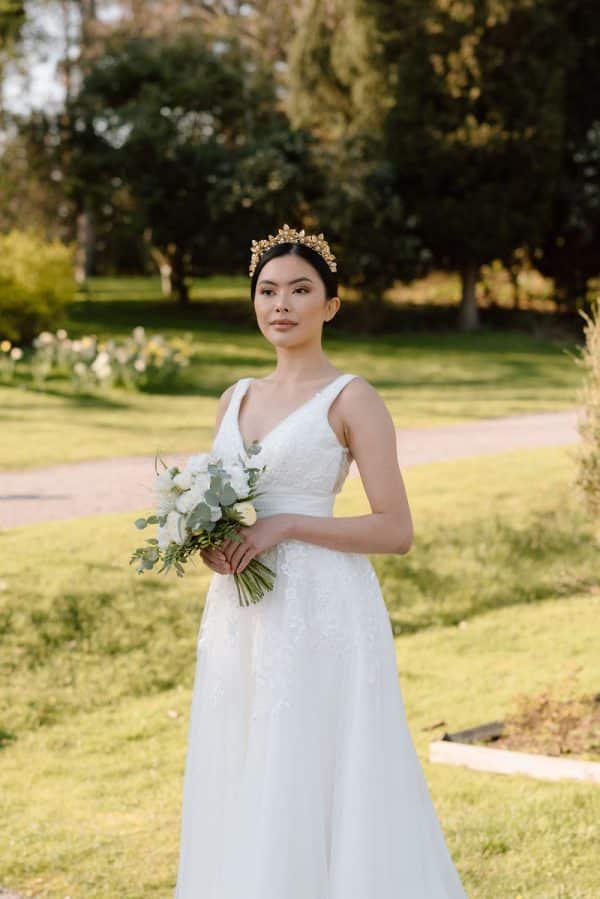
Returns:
(331, 391)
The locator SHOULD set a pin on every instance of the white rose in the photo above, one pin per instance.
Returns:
(247, 512)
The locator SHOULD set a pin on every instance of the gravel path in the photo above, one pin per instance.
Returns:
(123, 484)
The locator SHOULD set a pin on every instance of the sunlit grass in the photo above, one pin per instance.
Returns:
(425, 380)
(98, 662)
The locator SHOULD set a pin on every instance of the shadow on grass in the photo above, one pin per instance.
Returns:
(452, 575)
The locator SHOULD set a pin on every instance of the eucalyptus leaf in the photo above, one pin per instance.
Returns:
(228, 495)
(140, 523)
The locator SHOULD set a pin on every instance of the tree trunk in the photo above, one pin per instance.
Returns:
(468, 314)
(178, 282)
(85, 244)
(165, 268)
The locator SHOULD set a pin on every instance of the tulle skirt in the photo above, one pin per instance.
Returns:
(301, 777)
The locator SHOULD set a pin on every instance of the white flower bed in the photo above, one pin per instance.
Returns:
(137, 362)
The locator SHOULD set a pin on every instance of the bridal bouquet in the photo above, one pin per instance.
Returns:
(199, 507)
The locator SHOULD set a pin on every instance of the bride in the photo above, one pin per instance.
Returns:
(301, 778)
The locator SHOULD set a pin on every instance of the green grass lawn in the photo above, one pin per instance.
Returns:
(500, 594)
(426, 379)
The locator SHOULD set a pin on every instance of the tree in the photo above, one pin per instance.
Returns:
(569, 251)
(189, 126)
(365, 217)
(336, 88)
(12, 19)
(476, 126)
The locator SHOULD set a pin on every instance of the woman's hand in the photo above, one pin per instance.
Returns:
(257, 538)
(216, 559)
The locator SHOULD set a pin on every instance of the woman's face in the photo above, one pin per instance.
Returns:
(289, 288)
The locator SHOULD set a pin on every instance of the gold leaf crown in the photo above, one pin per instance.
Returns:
(290, 235)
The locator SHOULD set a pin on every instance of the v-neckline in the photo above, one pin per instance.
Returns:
(283, 420)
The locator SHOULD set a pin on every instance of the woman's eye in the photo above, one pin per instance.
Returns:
(267, 290)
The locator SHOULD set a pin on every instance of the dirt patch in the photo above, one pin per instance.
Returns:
(552, 723)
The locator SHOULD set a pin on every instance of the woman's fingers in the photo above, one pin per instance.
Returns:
(216, 560)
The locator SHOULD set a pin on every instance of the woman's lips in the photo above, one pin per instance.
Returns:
(283, 326)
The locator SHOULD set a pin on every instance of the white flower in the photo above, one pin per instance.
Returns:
(197, 463)
(16, 353)
(163, 482)
(185, 502)
(176, 527)
(61, 333)
(183, 480)
(215, 513)
(174, 531)
(80, 368)
(238, 479)
(247, 511)
(139, 333)
(165, 503)
(139, 365)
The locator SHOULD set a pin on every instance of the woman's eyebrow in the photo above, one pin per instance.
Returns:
(293, 281)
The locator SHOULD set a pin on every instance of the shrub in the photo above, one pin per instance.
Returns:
(36, 282)
(588, 451)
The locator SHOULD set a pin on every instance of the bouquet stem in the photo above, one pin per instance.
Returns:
(253, 582)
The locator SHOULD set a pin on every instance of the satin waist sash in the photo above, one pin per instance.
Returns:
(303, 503)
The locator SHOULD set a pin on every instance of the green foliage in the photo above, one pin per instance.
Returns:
(12, 19)
(476, 127)
(337, 88)
(569, 252)
(336, 82)
(36, 283)
(367, 219)
(588, 451)
(189, 129)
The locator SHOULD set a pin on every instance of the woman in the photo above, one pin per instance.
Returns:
(301, 780)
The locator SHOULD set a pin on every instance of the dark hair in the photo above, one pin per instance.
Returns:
(328, 277)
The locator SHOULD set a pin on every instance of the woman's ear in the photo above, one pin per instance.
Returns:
(333, 304)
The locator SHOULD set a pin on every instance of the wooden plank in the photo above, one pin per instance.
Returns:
(481, 732)
(507, 761)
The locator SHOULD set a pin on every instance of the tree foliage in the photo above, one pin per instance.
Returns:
(569, 251)
(476, 127)
(190, 126)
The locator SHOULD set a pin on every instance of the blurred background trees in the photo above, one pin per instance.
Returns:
(459, 136)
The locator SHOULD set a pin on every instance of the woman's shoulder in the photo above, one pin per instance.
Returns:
(358, 387)
(358, 397)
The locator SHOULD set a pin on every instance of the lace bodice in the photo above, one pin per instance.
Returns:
(306, 465)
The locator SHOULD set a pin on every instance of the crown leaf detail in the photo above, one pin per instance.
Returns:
(290, 235)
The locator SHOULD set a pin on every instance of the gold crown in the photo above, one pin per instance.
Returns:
(290, 235)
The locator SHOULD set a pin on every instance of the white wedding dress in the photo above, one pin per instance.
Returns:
(301, 778)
